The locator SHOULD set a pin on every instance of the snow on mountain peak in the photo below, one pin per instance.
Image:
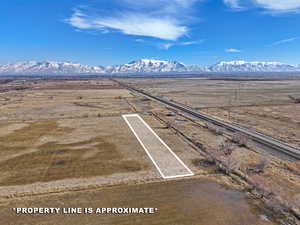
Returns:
(141, 66)
(239, 62)
(243, 66)
(48, 68)
(149, 66)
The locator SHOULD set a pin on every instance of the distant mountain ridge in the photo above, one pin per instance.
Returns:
(141, 66)
(48, 68)
(243, 66)
(148, 66)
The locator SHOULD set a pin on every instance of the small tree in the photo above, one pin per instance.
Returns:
(263, 164)
(240, 139)
(232, 163)
(213, 128)
(226, 148)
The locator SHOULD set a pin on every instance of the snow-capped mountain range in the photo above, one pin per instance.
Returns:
(242, 66)
(48, 68)
(142, 66)
(148, 66)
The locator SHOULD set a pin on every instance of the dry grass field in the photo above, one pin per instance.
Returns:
(44, 149)
(65, 126)
(183, 202)
(64, 143)
(263, 105)
(203, 92)
(61, 135)
(260, 105)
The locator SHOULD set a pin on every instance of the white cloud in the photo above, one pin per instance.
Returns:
(279, 5)
(270, 6)
(191, 42)
(168, 45)
(143, 25)
(78, 20)
(232, 50)
(234, 4)
(284, 41)
(163, 19)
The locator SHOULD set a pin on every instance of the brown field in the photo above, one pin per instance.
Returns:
(195, 201)
(91, 154)
(261, 105)
(63, 143)
(76, 127)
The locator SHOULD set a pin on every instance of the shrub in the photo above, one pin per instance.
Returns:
(223, 158)
(232, 163)
(263, 164)
(226, 148)
(240, 139)
(213, 128)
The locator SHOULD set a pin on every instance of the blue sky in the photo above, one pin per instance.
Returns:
(106, 32)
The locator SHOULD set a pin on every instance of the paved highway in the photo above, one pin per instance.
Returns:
(254, 135)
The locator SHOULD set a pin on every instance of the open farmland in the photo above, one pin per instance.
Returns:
(75, 127)
(64, 143)
(179, 202)
(260, 104)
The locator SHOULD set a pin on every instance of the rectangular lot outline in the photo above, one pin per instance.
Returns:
(189, 172)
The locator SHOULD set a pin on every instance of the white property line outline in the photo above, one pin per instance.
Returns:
(148, 153)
